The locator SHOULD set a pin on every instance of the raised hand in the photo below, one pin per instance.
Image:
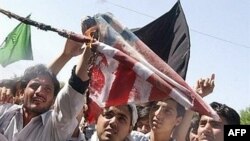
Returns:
(72, 48)
(205, 86)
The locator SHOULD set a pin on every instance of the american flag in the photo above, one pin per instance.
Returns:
(127, 71)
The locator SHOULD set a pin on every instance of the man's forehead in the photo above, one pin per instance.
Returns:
(210, 119)
(42, 79)
(118, 109)
(167, 102)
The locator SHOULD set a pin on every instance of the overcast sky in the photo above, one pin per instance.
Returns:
(219, 32)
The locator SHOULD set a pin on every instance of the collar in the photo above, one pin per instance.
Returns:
(43, 116)
(95, 138)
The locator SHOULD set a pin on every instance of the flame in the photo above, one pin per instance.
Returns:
(91, 34)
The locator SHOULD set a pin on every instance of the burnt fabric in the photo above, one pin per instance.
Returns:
(127, 71)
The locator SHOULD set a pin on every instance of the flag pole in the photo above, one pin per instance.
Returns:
(67, 34)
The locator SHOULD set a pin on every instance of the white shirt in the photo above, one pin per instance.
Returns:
(54, 125)
(138, 136)
(2, 138)
(133, 136)
(95, 138)
(148, 136)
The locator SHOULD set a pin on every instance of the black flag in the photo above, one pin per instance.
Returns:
(168, 37)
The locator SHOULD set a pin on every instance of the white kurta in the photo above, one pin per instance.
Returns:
(57, 124)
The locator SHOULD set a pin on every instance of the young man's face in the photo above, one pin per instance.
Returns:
(39, 95)
(114, 124)
(163, 116)
(210, 129)
(142, 125)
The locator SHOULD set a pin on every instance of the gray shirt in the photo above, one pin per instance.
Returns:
(57, 124)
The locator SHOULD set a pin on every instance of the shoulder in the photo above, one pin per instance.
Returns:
(8, 107)
(2, 137)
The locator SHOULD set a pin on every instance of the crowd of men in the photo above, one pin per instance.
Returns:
(33, 107)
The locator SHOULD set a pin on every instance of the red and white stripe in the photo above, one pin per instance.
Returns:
(141, 83)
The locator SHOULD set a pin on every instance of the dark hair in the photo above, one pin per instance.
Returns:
(131, 114)
(195, 123)
(227, 112)
(40, 69)
(10, 84)
(180, 110)
(193, 126)
(19, 83)
(143, 111)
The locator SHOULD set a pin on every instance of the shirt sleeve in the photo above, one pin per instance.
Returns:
(68, 105)
(76, 83)
(6, 107)
(2, 138)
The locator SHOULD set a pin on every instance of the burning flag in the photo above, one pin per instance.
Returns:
(126, 71)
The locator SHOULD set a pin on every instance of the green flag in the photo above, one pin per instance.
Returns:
(16, 46)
